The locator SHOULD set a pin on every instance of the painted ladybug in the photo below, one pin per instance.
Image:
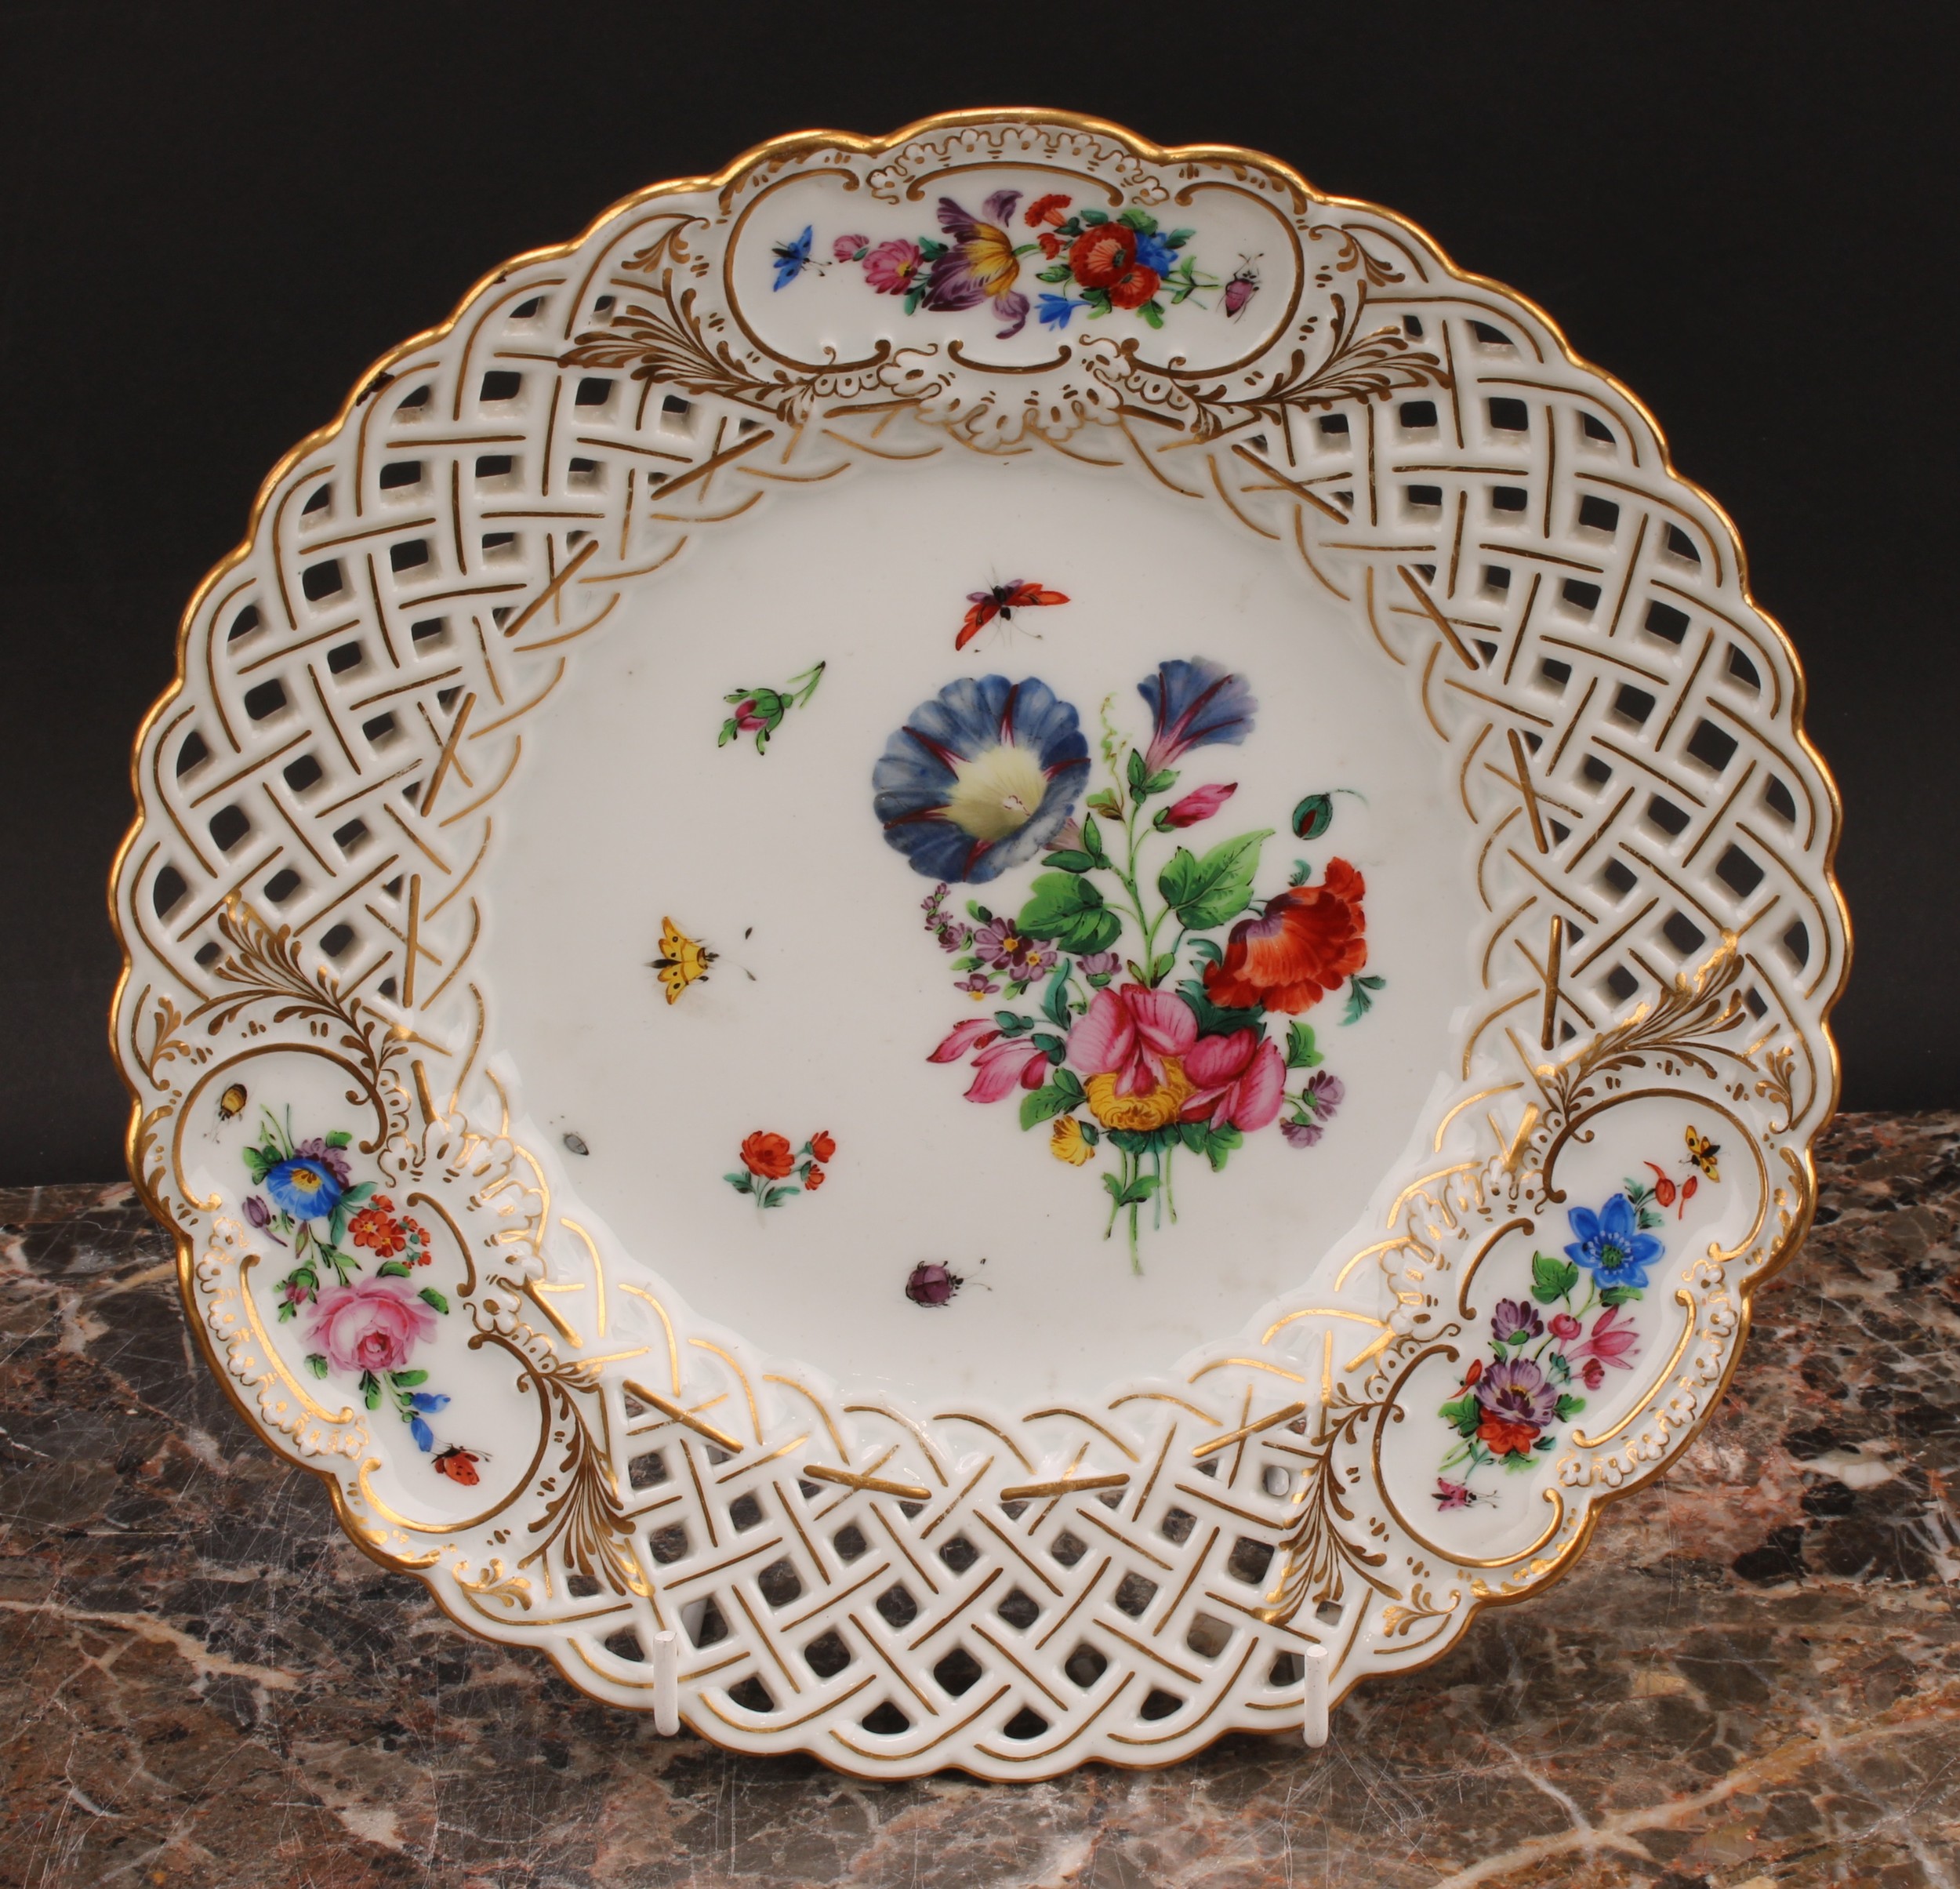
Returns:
(932, 1284)
(458, 1464)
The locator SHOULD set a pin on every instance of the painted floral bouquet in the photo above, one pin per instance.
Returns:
(1171, 994)
(366, 1326)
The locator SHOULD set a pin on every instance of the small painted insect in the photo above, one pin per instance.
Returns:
(681, 962)
(458, 1464)
(1002, 601)
(931, 1285)
(575, 1144)
(792, 258)
(1702, 1152)
(232, 1102)
(1243, 287)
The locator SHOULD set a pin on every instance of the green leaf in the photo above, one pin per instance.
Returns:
(370, 1390)
(1070, 911)
(1551, 1280)
(316, 1363)
(356, 1193)
(1009, 1024)
(1115, 1188)
(1133, 769)
(429, 1296)
(1054, 1046)
(1218, 1145)
(1208, 949)
(1092, 840)
(1161, 782)
(1060, 273)
(913, 298)
(407, 1380)
(340, 1138)
(1568, 1407)
(740, 1182)
(392, 1269)
(1094, 216)
(1044, 1103)
(1620, 1294)
(776, 1195)
(1055, 999)
(1068, 860)
(1360, 998)
(1177, 240)
(1465, 1413)
(1139, 1191)
(1106, 801)
(287, 1309)
(931, 249)
(1301, 1053)
(1161, 966)
(1546, 1443)
(1313, 816)
(1152, 312)
(1206, 892)
(1519, 1462)
(1090, 1133)
(1213, 1021)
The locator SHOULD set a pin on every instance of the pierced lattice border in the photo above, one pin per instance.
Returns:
(318, 790)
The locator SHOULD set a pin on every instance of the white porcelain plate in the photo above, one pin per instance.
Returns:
(1009, 920)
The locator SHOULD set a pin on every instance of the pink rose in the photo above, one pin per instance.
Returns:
(1565, 1325)
(1199, 805)
(848, 249)
(371, 1325)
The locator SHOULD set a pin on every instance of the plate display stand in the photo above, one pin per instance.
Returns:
(972, 931)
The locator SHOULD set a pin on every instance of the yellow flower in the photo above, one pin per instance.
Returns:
(1066, 1142)
(1156, 1110)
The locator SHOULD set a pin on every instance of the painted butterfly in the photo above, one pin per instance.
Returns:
(1702, 1152)
(1002, 601)
(681, 960)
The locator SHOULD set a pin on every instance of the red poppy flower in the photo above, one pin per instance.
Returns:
(1310, 942)
(1103, 254)
(822, 1145)
(768, 1155)
(1502, 1436)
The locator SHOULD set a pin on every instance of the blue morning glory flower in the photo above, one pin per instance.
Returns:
(424, 1436)
(791, 257)
(1058, 310)
(1611, 1244)
(429, 1401)
(1155, 253)
(1194, 705)
(306, 1186)
(981, 777)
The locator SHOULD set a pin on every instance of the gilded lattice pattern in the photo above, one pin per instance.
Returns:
(896, 1590)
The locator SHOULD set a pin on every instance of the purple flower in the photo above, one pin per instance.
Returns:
(953, 936)
(1327, 1090)
(977, 982)
(1515, 1390)
(1101, 963)
(1000, 944)
(257, 1210)
(1194, 705)
(333, 1159)
(1515, 1319)
(1301, 1134)
(1452, 1494)
(980, 264)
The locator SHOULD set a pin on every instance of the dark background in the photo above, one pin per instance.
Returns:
(212, 220)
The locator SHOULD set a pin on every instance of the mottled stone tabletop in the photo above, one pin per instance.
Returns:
(1752, 1677)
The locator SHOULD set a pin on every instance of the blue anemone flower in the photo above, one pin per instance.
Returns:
(1611, 1244)
(1154, 252)
(791, 257)
(1058, 310)
(306, 1187)
(1195, 704)
(981, 777)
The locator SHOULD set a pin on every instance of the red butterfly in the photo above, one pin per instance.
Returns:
(458, 1464)
(1002, 601)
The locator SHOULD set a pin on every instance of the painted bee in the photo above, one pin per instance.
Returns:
(232, 1102)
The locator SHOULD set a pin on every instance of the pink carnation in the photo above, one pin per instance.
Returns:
(371, 1325)
(892, 268)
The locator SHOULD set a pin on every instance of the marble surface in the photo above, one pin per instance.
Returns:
(1752, 1678)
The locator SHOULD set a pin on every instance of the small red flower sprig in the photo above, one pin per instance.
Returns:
(768, 1161)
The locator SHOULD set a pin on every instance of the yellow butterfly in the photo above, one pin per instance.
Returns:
(681, 960)
(1702, 1152)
